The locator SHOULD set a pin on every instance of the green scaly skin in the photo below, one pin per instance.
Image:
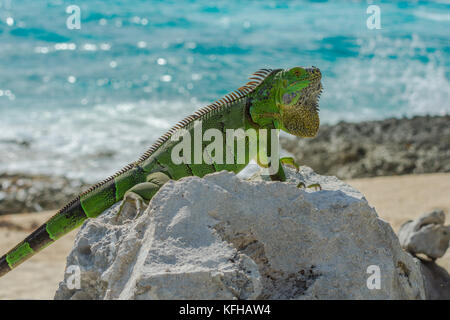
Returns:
(273, 99)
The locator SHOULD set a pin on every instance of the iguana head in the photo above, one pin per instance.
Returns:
(288, 100)
(296, 97)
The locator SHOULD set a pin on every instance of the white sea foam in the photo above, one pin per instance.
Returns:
(433, 15)
(89, 144)
(85, 104)
(394, 82)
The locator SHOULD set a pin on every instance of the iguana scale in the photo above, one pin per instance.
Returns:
(272, 99)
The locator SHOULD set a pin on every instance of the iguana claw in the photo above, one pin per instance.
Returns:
(314, 185)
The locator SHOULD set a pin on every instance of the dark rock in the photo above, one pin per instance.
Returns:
(366, 149)
(30, 193)
(436, 281)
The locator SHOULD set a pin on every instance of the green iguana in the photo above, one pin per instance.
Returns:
(272, 99)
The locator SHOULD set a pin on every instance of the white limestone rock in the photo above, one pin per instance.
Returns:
(427, 235)
(222, 237)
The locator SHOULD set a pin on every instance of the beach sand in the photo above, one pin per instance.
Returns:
(396, 199)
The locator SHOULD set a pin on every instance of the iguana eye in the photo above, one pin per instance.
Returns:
(298, 72)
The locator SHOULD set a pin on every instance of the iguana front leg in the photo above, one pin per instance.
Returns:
(262, 161)
(141, 194)
(280, 175)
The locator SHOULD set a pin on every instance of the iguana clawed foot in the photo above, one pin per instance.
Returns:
(291, 162)
(316, 186)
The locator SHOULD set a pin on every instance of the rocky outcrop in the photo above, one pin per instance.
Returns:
(426, 235)
(436, 281)
(347, 150)
(29, 193)
(221, 237)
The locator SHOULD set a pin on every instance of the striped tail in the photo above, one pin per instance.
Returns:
(67, 219)
(89, 204)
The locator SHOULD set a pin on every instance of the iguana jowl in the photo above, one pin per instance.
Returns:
(272, 99)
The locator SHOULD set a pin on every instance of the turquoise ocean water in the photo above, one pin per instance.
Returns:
(85, 102)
